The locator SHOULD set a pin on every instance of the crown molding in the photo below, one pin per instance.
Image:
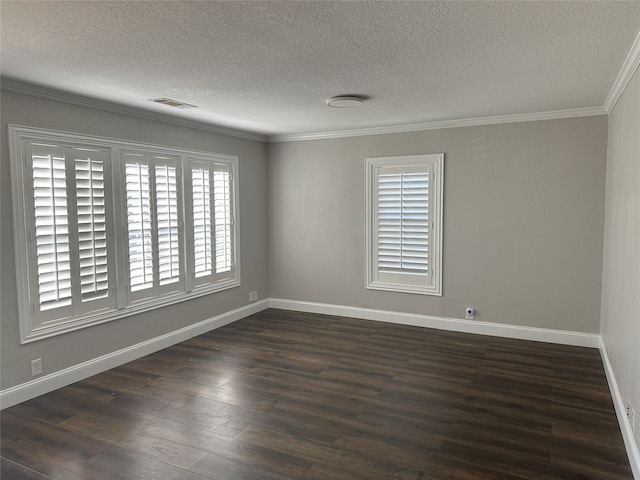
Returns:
(626, 72)
(15, 86)
(79, 100)
(468, 122)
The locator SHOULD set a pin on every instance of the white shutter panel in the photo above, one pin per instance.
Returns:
(202, 248)
(138, 194)
(222, 217)
(92, 223)
(403, 222)
(416, 240)
(51, 226)
(389, 221)
(167, 224)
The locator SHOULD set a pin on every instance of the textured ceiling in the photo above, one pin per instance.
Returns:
(268, 66)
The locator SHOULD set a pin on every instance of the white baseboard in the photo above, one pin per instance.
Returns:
(621, 413)
(441, 323)
(62, 378)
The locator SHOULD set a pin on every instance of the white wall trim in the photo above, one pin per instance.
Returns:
(442, 323)
(48, 383)
(621, 413)
(74, 99)
(626, 72)
(466, 122)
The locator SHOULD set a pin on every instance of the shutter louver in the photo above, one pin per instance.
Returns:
(222, 219)
(139, 226)
(167, 224)
(51, 227)
(201, 221)
(403, 222)
(92, 226)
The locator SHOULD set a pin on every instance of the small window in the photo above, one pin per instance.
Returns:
(404, 223)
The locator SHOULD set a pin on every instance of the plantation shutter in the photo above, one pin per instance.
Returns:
(167, 224)
(92, 223)
(222, 218)
(202, 248)
(153, 224)
(212, 220)
(68, 231)
(403, 221)
(51, 220)
(138, 192)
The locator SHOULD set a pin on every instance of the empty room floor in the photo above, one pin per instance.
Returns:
(289, 395)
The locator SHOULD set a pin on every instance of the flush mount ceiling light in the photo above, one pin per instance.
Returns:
(345, 101)
(172, 103)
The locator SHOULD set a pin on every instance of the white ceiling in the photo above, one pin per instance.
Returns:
(267, 67)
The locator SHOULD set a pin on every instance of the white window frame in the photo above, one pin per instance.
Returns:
(35, 325)
(429, 282)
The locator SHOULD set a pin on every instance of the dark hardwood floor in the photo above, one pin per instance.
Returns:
(284, 395)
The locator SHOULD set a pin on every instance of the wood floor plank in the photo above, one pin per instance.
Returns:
(222, 423)
(286, 395)
(14, 471)
(246, 460)
(163, 449)
(491, 458)
(203, 439)
(131, 465)
(106, 427)
(54, 436)
(55, 463)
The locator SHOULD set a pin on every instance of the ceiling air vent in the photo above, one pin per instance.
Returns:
(172, 103)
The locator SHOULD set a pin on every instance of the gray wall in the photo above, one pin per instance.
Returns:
(621, 260)
(73, 348)
(523, 221)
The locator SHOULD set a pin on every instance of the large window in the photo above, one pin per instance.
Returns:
(106, 228)
(404, 223)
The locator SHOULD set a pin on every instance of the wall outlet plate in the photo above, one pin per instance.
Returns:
(36, 367)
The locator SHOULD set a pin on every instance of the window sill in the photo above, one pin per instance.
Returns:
(72, 324)
(394, 287)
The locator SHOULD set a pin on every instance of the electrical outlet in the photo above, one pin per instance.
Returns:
(36, 367)
(469, 313)
(253, 296)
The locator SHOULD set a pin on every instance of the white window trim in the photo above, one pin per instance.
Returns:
(372, 281)
(31, 331)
